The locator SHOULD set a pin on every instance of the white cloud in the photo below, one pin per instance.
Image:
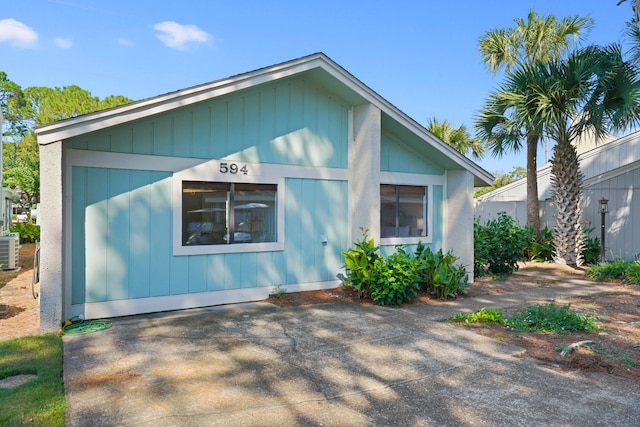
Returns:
(17, 34)
(178, 36)
(63, 43)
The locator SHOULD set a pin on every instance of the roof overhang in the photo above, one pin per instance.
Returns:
(317, 66)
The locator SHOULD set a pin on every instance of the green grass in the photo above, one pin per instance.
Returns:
(483, 315)
(619, 269)
(551, 318)
(545, 318)
(41, 401)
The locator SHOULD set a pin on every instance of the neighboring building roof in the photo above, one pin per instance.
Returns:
(317, 66)
(598, 164)
(9, 193)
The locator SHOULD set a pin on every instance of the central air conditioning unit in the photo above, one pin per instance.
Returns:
(9, 251)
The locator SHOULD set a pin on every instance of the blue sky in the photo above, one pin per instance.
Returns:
(419, 55)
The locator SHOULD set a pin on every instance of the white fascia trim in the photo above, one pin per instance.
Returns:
(95, 121)
(597, 151)
(127, 307)
(103, 159)
(402, 178)
(611, 174)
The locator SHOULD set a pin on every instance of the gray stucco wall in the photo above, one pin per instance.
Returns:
(51, 236)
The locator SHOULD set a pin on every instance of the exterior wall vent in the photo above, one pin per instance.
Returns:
(9, 251)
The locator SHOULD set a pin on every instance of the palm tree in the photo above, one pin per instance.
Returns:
(457, 137)
(536, 39)
(593, 90)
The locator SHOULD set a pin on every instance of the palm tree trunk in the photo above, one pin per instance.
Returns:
(566, 180)
(533, 204)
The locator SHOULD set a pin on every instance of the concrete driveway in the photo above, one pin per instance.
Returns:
(330, 364)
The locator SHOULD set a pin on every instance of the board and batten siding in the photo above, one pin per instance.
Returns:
(622, 222)
(122, 233)
(289, 122)
(395, 156)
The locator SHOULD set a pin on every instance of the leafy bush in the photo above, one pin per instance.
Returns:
(359, 265)
(498, 246)
(396, 279)
(440, 276)
(29, 232)
(551, 318)
(538, 246)
(591, 250)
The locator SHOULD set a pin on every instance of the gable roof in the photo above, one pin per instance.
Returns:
(317, 66)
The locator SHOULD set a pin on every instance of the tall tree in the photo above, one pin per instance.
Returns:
(536, 39)
(457, 137)
(15, 108)
(593, 91)
(52, 104)
(36, 106)
(21, 164)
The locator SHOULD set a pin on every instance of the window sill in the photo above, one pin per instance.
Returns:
(389, 241)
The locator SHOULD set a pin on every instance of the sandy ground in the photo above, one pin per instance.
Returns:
(21, 316)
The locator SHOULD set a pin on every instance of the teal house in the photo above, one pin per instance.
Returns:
(219, 193)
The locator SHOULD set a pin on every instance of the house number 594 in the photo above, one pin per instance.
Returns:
(233, 168)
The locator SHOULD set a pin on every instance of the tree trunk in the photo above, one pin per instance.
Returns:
(533, 204)
(566, 180)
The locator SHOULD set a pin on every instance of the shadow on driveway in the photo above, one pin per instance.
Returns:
(329, 364)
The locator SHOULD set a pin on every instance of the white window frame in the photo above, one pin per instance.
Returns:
(429, 181)
(211, 171)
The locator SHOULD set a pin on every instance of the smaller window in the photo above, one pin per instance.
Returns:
(403, 211)
(222, 213)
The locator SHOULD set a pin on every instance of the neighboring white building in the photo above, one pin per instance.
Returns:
(611, 171)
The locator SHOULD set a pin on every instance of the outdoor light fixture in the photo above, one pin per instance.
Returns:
(604, 205)
(604, 209)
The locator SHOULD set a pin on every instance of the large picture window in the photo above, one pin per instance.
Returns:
(403, 211)
(223, 213)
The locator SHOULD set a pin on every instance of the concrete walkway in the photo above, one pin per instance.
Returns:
(330, 364)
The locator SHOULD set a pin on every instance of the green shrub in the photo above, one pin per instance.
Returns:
(551, 318)
(440, 276)
(591, 250)
(498, 246)
(396, 278)
(29, 232)
(538, 246)
(359, 265)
